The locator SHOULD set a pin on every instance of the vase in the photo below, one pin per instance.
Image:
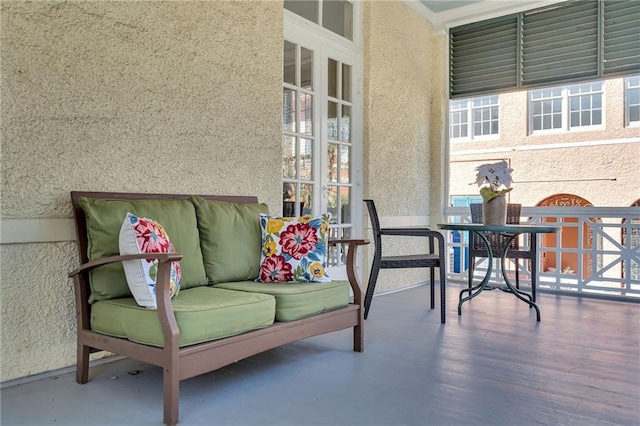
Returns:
(494, 211)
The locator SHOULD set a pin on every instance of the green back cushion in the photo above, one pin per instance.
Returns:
(104, 219)
(230, 238)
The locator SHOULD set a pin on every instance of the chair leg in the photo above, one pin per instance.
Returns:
(371, 286)
(433, 292)
(533, 283)
(443, 295)
(358, 337)
(171, 395)
(82, 367)
(472, 262)
(517, 263)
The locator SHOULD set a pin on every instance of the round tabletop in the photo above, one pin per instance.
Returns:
(507, 229)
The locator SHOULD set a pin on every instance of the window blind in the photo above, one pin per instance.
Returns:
(621, 37)
(560, 43)
(484, 57)
(567, 42)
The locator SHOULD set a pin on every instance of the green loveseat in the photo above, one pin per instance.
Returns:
(221, 314)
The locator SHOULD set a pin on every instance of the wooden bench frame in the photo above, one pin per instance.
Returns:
(183, 363)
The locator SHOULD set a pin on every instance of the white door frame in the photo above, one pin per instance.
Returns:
(326, 45)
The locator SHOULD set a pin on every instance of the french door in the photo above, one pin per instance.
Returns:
(322, 133)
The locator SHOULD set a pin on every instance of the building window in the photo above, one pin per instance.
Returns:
(632, 100)
(546, 109)
(564, 108)
(334, 15)
(474, 118)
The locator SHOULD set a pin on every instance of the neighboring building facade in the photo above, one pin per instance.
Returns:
(569, 146)
(581, 139)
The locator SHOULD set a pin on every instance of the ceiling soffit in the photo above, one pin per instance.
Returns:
(445, 14)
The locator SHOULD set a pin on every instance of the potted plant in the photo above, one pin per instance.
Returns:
(494, 181)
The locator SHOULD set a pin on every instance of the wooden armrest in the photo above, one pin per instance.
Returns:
(167, 319)
(162, 258)
(352, 274)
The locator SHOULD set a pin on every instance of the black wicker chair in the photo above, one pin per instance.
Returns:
(497, 242)
(428, 260)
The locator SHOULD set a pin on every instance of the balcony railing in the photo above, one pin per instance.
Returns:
(595, 253)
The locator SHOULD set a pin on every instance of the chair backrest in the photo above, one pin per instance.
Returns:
(496, 241)
(373, 216)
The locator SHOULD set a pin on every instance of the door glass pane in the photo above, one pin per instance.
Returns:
(291, 204)
(332, 202)
(345, 205)
(289, 110)
(332, 78)
(308, 9)
(346, 82)
(289, 156)
(288, 191)
(345, 172)
(306, 114)
(332, 163)
(306, 68)
(306, 159)
(345, 124)
(306, 196)
(337, 254)
(332, 121)
(289, 63)
(337, 16)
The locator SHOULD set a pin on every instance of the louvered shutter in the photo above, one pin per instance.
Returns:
(567, 42)
(560, 44)
(621, 37)
(483, 58)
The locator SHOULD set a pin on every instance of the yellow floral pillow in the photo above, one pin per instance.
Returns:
(294, 249)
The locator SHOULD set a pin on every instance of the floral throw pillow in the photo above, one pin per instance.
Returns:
(294, 249)
(143, 235)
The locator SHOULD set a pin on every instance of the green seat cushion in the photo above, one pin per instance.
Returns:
(230, 238)
(104, 219)
(202, 313)
(298, 300)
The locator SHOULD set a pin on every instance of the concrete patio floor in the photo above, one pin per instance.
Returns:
(494, 365)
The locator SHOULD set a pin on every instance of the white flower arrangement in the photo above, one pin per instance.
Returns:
(498, 178)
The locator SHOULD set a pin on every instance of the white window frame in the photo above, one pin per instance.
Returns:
(630, 83)
(470, 109)
(565, 97)
(317, 27)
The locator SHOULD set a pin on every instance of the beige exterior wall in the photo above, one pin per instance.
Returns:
(194, 88)
(124, 96)
(606, 173)
(400, 92)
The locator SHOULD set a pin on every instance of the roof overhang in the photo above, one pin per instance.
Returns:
(445, 14)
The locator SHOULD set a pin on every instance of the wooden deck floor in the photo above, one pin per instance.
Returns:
(495, 365)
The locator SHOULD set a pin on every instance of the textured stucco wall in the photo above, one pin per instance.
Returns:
(439, 107)
(575, 169)
(399, 95)
(124, 96)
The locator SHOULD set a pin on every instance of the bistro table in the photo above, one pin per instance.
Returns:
(511, 232)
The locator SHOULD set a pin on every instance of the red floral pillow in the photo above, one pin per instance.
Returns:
(142, 235)
(294, 249)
